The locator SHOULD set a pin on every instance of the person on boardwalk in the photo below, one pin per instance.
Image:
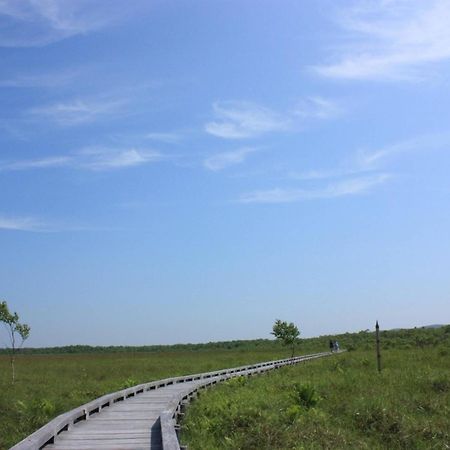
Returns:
(331, 346)
(336, 346)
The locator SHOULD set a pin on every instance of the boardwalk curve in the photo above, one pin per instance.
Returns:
(137, 418)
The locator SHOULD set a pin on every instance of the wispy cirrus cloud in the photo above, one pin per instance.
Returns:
(317, 108)
(78, 112)
(245, 120)
(391, 40)
(367, 160)
(34, 23)
(107, 159)
(372, 159)
(39, 163)
(15, 223)
(363, 172)
(167, 137)
(321, 174)
(221, 161)
(348, 187)
(41, 80)
(37, 225)
(91, 158)
(238, 119)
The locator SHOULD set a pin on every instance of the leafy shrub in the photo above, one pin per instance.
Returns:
(129, 382)
(377, 419)
(365, 362)
(338, 366)
(441, 384)
(305, 395)
(36, 412)
(293, 412)
(237, 381)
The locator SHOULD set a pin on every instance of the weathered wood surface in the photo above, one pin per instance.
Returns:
(142, 417)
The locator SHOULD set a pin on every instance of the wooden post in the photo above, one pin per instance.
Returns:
(377, 336)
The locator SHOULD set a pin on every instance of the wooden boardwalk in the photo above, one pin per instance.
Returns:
(138, 418)
(133, 424)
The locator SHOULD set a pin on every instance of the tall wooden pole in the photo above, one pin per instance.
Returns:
(377, 336)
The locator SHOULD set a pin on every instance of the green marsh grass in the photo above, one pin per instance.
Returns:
(339, 402)
(48, 385)
(344, 390)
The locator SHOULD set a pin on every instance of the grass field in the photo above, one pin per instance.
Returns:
(416, 360)
(334, 403)
(48, 385)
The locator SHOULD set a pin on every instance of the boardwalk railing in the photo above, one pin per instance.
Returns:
(168, 419)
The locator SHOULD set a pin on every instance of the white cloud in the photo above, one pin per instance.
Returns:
(92, 158)
(78, 112)
(360, 174)
(31, 23)
(372, 159)
(352, 186)
(169, 138)
(36, 225)
(106, 159)
(237, 120)
(320, 174)
(392, 39)
(223, 160)
(43, 163)
(44, 80)
(243, 120)
(317, 108)
(22, 224)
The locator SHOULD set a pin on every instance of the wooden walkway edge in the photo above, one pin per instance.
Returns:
(142, 417)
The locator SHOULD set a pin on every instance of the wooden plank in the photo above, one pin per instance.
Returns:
(130, 446)
(104, 441)
(169, 436)
(103, 436)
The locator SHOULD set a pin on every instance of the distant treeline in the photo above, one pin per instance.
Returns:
(224, 345)
(399, 338)
(363, 340)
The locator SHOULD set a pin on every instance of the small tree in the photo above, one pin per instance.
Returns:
(17, 333)
(287, 333)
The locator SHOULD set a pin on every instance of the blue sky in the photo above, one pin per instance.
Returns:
(180, 171)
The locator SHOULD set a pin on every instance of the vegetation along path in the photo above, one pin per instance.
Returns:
(141, 417)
